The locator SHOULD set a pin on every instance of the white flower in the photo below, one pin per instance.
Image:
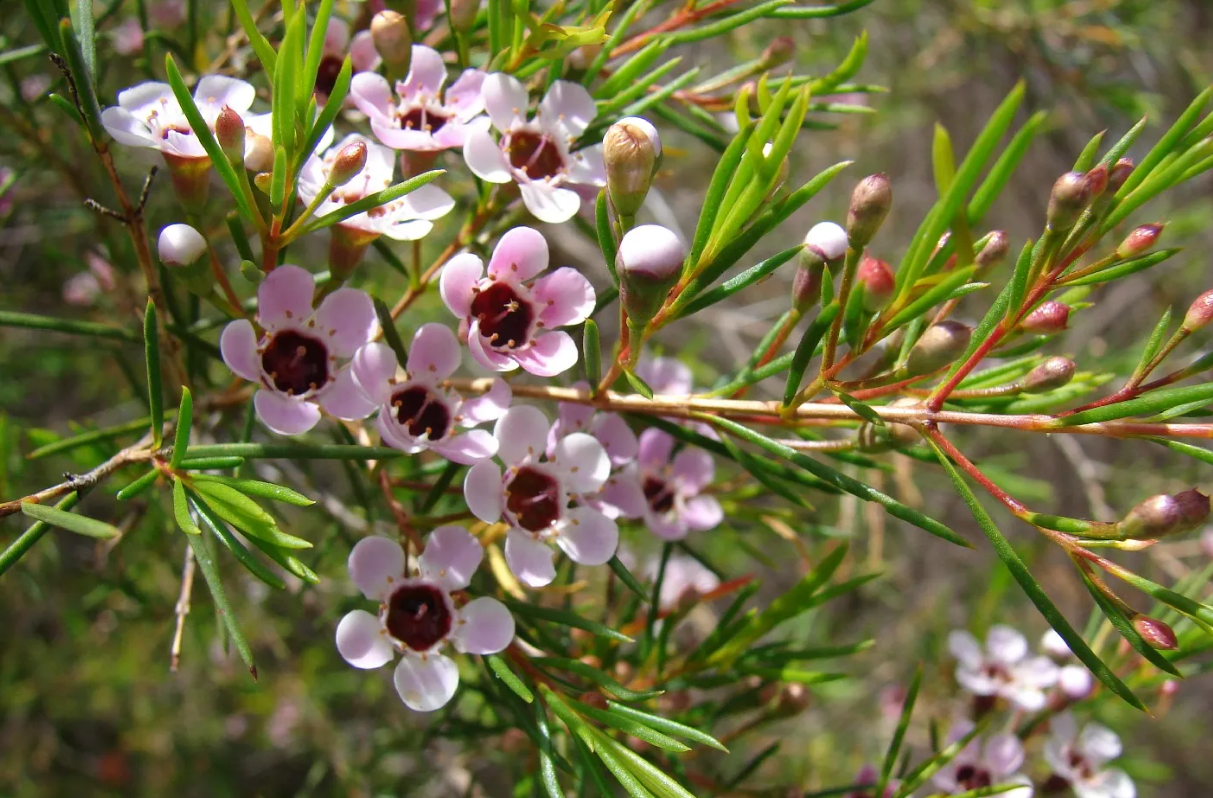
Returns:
(1073, 679)
(1003, 668)
(1080, 757)
(148, 114)
(180, 245)
(984, 763)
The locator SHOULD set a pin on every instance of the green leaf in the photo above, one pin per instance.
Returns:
(1086, 158)
(293, 451)
(638, 385)
(138, 486)
(937, 293)
(1021, 574)
(751, 276)
(629, 581)
(80, 524)
(594, 675)
(151, 353)
(1125, 627)
(591, 352)
(820, 12)
(722, 177)
(1006, 165)
(264, 490)
(552, 615)
(245, 557)
(664, 725)
(330, 110)
(181, 510)
(632, 727)
(925, 770)
(246, 515)
(943, 160)
(1152, 403)
(18, 548)
(806, 349)
(650, 775)
(1123, 268)
(211, 463)
(640, 63)
(32, 321)
(606, 239)
(210, 573)
(391, 335)
(90, 437)
(1166, 144)
(372, 201)
(261, 46)
(315, 48)
(82, 21)
(89, 108)
(1157, 336)
(547, 765)
(899, 734)
(505, 674)
(185, 419)
(723, 26)
(613, 763)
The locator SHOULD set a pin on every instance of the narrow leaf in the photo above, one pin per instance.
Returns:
(185, 419)
(72, 522)
(151, 354)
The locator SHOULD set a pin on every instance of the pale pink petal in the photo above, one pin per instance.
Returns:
(336, 37)
(976, 682)
(1112, 783)
(426, 75)
(360, 641)
(238, 344)
(529, 559)
(703, 512)
(284, 415)
(457, 283)
(1036, 672)
(478, 345)
(344, 399)
(586, 167)
(373, 96)
(505, 99)
(373, 366)
(425, 12)
(347, 319)
(567, 296)
(143, 98)
(1053, 645)
(1063, 728)
(583, 463)
(1006, 645)
(654, 449)
(468, 448)
(488, 407)
(395, 435)
(549, 203)
(485, 158)
(549, 354)
(693, 469)
(485, 626)
(589, 537)
(665, 375)
(363, 55)
(451, 557)
(521, 254)
(965, 649)
(427, 202)
(567, 107)
(404, 139)
(434, 354)
(426, 682)
(482, 491)
(624, 492)
(616, 437)
(285, 295)
(185, 145)
(1003, 754)
(215, 91)
(1075, 682)
(1028, 699)
(376, 564)
(1099, 743)
(127, 129)
(667, 526)
(521, 434)
(464, 96)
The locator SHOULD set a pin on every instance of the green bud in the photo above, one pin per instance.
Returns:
(939, 345)
(994, 252)
(1053, 373)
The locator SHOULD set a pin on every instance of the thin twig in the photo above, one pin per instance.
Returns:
(183, 608)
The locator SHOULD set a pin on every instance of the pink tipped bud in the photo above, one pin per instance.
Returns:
(1119, 173)
(393, 41)
(1200, 313)
(349, 162)
(994, 252)
(1048, 318)
(780, 51)
(806, 285)
(1156, 633)
(648, 263)
(878, 283)
(1193, 509)
(229, 132)
(1139, 241)
(942, 343)
(826, 242)
(1155, 517)
(631, 150)
(1071, 195)
(1053, 373)
(1097, 178)
(870, 203)
(463, 14)
(180, 245)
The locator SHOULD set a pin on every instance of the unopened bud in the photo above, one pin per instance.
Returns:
(631, 150)
(1156, 633)
(779, 52)
(893, 435)
(229, 132)
(258, 152)
(1138, 241)
(1097, 179)
(393, 41)
(1119, 173)
(1071, 195)
(1075, 682)
(1200, 313)
(648, 263)
(793, 698)
(349, 162)
(462, 14)
(1193, 509)
(939, 345)
(1155, 517)
(825, 242)
(806, 285)
(180, 245)
(1053, 373)
(1048, 318)
(870, 203)
(878, 283)
(994, 252)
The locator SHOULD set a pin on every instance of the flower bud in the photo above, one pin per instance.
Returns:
(631, 150)
(258, 152)
(792, 699)
(806, 285)
(1071, 195)
(648, 263)
(1097, 178)
(1193, 509)
(942, 343)
(1048, 318)
(1200, 313)
(1156, 633)
(462, 14)
(180, 245)
(1138, 241)
(1119, 173)
(1155, 517)
(826, 242)
(870, 202)
(348, 163)
(878, 283)
(1053, 373)
(393, 41)
(893, 435)
(780, 51)
(229, 132)
(994, 252)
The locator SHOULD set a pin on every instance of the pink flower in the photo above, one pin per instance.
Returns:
(1074, 681)
(148, 115)
(535, 494)
(684, 577)
(509, 314)
(167, 13)
(127, 37)
(535, 153)
(420, 116)
(983, 763)
(418, 412)
(417, 615)
(610, 430)
(34, 87)
(295, 362)
(337, 44)
(84, 288)
(404, 219)
(425, 12)
(1003, 668)
(669, 376)
(1080, 758)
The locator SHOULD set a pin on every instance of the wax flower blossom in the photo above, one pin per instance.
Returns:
(610, 430)
(296, 361)
(1074, 681)
(1003, 668)
(83, 288)
(1079, 758)
(536, 153)
(337, 44)
(419, 115)
(418, 412)
(983, 763)
(685, 577)
(418, 615)
(538, 495)
(508, 316)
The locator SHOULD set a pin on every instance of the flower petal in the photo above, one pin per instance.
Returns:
(589, 537)
(464, 97)
(373, 366)
(1003, 753)
(965, 649)
(457, 283)
(489, 406)
(482, 491)
(347, 317)
(1006, 645)
(426, 75)
(1112, 783)
(426, 202)
(665, 375)
(426, 682)
(396, 435)
(567, 107)
(434, 354)
(521, 434)
(567, 296)
(1075, 681)
(372, 94)
(1036, 672)
(549, 354)
(478, 346)
(284, 415)
(375, 564)
(582, 462)
(693, 470)
(360, 641)
(667, 526)
(1099, 743)
(451, 557)
(238, 344)
(468, 448)
(142, 98)
(285, 295)
(549, 203)
(363, 55)
(485, 626)
(505, 99)
(485, 158)
(616, 437)
(653, 451)
(586, 167)
(624, 492)
(128, 129)
(215, 91)
(344, 399)
(703, 512)
(521, 254)
(530, 560)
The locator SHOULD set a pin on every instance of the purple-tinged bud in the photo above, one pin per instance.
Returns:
(806, 285)
(1053, 373)
(648, 263)
(1119, 173)
(1200, 313)
(939, 345)
(1155, 517)
(1071, 195)
(994, 252)
(180, 245)
(462, 14)
(870, 203)
(1193, 509)
(1156, 633)
(1097, 178)
(780, 51)
(1138, 241)
(825, 242)
(393, 41)
(1048, 318)
(631, 150)
(349, 162)
(876, 277)
(229, 132)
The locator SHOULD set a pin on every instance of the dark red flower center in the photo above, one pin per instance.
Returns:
(505, 318)
(972, 778)
(422, 119)
(295, 363)
(418, 616)
(659, 494)
(535, 154)
(422, 412)
(326, 75)
(183, 129)
(533, 497)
